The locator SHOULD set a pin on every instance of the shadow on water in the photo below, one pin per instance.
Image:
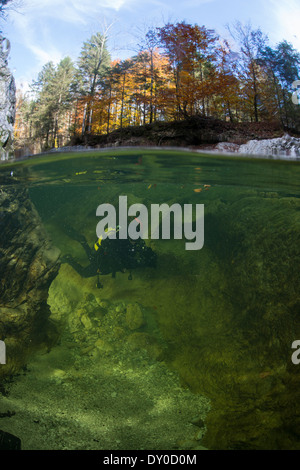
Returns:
(223, 318)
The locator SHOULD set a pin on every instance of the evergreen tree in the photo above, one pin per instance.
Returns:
(53, 97)
(180, 70)
(42, 112)
(93, 63)
(283, 65)
(149, 46)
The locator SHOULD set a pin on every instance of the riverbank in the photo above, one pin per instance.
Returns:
(196, 133)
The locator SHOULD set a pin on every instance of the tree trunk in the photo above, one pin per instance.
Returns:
(122, 101)
(108, 111)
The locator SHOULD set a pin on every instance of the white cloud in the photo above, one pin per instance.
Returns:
(287, 15)
(195, 3)
(73, 11)
(35, 22)
(30, 36)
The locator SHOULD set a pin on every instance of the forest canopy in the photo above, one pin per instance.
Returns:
(182, 70)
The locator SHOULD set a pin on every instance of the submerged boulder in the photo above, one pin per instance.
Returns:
(28, 264)
(7, 101)
(9, 441)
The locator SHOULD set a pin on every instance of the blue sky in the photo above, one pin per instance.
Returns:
(44, 30)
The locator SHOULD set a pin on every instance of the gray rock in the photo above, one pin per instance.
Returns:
(285, 146)
(7, 102)
(134, 317)
(29, 263)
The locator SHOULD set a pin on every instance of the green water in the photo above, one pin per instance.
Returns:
(204, 337)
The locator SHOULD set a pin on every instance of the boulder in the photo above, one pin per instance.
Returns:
(7, 101)
(28, 264)
(9, 441)
(285, 146)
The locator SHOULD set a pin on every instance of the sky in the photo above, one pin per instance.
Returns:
(49, 30)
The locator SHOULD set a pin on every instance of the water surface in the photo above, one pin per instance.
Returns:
(205, 337)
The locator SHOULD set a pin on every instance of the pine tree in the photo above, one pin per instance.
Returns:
(283, 65)
(53, 97)
(93, 63)
(180, 70)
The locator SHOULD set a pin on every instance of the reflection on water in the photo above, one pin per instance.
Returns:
(193, 352)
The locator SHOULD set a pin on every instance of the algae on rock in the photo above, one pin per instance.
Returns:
(29, 263)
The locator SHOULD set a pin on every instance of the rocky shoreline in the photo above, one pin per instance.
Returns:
(281, 147)
(195, 134)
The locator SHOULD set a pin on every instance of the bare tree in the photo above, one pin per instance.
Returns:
(251, 43)
(6, 5)
(3, 6)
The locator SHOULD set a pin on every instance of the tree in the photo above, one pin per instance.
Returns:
(287, 63)
(42, 110)
(53, 98)
(283, 65)
(3, 9)
(252, 42)
(288, 70)
(179, 70)
(225, 97)
(62, 95)
(3, 6)
(190, 49)
(147, 50)
(23, 122)
(93, 62)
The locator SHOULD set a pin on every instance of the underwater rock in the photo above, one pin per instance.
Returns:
(190, 444)
(120, 309)
(7, 101)
(29, 263)
(85, 320)
(9, 441)
(58, 376)
(198, 421)
(103, 346)
(134, 317)
(200, 434)
(144, 341)
(102, 303)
